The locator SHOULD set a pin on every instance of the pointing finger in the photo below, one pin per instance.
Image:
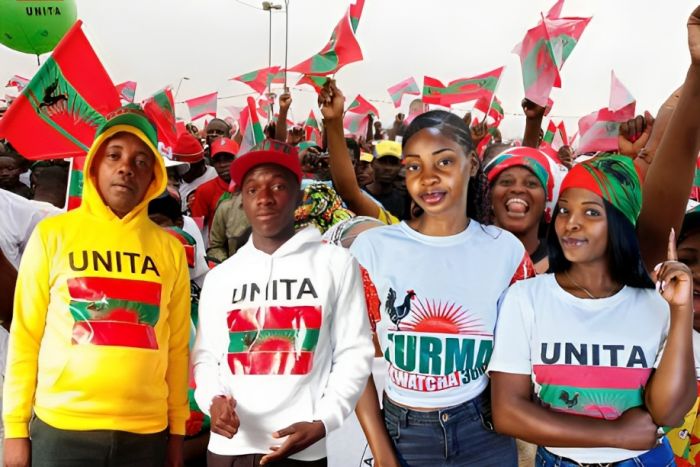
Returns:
(672, 253)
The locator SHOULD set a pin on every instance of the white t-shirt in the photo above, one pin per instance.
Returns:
(438, 304)
(187, 188)
(18, 217)
(586, 357)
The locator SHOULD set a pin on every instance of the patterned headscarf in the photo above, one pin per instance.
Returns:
(614, 178)
(532, 159)
(322, 207)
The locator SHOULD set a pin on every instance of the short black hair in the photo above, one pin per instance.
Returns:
(453, 127)
(167, 206)
(353, 148)
(625, 259)
(53, 176)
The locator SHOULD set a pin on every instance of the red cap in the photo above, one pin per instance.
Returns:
(268, 151)
(223, 144)
(188, 149)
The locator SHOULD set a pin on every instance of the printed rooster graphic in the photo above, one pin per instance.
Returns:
(397, 313)
(570, 402)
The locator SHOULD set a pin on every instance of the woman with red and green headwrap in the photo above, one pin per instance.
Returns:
(610, 356)
(523, 189)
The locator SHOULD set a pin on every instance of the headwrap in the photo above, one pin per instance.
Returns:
(321, 206)
(614, 178)
(532, 159)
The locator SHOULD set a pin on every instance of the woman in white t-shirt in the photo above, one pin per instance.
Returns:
(610, 357)
(438, 278)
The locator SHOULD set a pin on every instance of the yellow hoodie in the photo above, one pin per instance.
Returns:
(99, 337)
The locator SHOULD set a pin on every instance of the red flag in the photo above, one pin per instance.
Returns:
(315, 82)
(562, 133)
(259, 80)
(540, 72)
(127, 90)
(407, 86)
(563, 35)
(361, 106)
(461, 90)
(74, 197)
(202, 105)
(264, 106)
(620, 97)
(356, 13)
(599, 130)
(356, 124)
(180, 127)
(342, 49)
(18, 81)
(57, 114)
(312, 131)
(555, 11)
(160, 109)
(491, 108)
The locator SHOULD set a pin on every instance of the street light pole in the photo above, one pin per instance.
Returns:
(286, 39)
(178, 86)
(269, 6)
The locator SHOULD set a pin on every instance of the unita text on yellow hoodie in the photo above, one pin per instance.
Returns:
(99, 337)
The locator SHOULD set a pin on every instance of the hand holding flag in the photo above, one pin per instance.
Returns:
(331, 101)
(634, 134)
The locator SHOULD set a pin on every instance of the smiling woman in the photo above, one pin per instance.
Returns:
(606, 406)
(521, 186)
(435, 327)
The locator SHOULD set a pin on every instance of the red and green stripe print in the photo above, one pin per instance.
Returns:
(461, 90)
(114, 312)
(594, 391)
(275, 340)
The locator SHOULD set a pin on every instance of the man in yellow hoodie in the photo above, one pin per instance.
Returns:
(98, 348)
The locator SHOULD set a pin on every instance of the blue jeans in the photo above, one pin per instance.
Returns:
(456, 436)
(660, 456)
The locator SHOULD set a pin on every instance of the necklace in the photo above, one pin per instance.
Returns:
(579, 286)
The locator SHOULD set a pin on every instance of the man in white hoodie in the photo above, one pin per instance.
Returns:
(283, 347)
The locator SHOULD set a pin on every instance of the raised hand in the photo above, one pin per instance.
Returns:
(694, 36)
(566, 156)
(285, 100)
(531, 109)
(674, 280)
(634, 134)
(300, 436)
(331, 101)
(478, 132)
(224, 420)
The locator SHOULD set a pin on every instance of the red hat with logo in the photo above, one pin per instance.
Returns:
(268, 151)
(188, 149)
(223, 145)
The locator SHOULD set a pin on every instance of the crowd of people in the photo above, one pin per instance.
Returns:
(222, 307)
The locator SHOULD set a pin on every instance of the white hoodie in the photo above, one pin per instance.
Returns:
(302, 353)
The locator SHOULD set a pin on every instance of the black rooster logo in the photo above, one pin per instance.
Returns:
(570, 402)
(49, 99)
(396, 314)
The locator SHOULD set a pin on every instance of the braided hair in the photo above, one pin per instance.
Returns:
(453, 127)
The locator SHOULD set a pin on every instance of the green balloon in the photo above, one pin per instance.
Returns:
(35, 26)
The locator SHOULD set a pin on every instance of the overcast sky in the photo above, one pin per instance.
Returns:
(157, 42)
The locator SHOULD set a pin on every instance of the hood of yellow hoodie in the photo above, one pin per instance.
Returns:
(92, 200)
